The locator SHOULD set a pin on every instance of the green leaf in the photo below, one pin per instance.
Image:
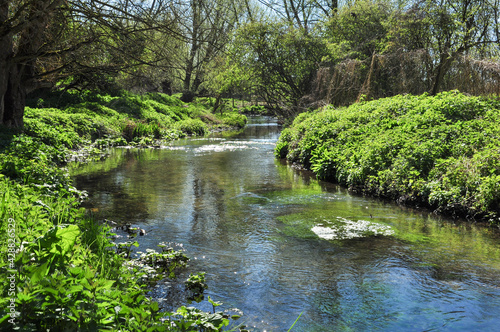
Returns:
(59, 241)
(105, 284)
(75, 289)
(4, 318)
(40, 272)
(155, 306)
(215, 304)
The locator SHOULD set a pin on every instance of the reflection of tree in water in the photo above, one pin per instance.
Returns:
(209, 207)
(110, 194)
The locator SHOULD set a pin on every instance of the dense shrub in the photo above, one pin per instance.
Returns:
(441, 151)
(235, 120)
(192, 127)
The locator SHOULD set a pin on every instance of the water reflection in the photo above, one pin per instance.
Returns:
(252, 219)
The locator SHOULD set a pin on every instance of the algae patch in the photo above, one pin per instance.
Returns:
(314, 223)
(349, 229)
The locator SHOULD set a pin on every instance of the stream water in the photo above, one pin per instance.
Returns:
(275, 242)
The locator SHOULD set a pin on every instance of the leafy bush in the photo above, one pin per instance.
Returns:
(441, 151)
(192, 127)
(234, 120)
(254, 109)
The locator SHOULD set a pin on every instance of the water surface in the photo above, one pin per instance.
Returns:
(275, 243)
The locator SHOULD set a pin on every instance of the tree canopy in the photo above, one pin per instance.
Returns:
(290, 54)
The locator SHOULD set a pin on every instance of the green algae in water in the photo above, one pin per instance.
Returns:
(343, 229)
(313, 224)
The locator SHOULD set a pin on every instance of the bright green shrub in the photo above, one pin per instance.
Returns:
(234, 120)
(164, 99)
(442, 151)
(192, 127)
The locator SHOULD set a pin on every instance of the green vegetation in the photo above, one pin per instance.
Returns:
(437, 151)
(69, 119)
(59, 268)
(80, 60)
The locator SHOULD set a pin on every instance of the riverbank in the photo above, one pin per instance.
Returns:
(59, 267)
(440, 152)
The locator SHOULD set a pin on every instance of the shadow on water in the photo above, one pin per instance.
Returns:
(275, 242)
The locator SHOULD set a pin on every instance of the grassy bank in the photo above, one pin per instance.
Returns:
(441, 152)
(59, 269)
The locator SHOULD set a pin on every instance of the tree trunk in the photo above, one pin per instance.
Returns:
(16, 75)
(12, 93)
(5, 55)
(190, 65)
(441, 70)
(14, 98)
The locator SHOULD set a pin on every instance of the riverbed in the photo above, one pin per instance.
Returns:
(276, 243)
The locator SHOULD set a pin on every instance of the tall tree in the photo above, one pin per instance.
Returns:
(207, 26)
(457, 28)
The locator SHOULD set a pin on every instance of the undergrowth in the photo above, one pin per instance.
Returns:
(68, 119)
(437, 151)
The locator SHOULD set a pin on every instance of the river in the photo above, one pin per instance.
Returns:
(275, 242)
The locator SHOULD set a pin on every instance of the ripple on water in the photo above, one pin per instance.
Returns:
(349, 229)
(220, 148)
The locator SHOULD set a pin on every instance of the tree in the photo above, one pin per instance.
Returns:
(454, 28)
(280, 60)
(42, 39)
(358, 31)
(206, 27)
(304, 14)
(379, 49)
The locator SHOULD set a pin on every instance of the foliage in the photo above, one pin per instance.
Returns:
(67, 278)
(254, 109)
(280, 60)
(192, 127)
(438, 151)
(67, 120)
(357, 31)
(234, 120)
(196, 285)
(378, 49)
